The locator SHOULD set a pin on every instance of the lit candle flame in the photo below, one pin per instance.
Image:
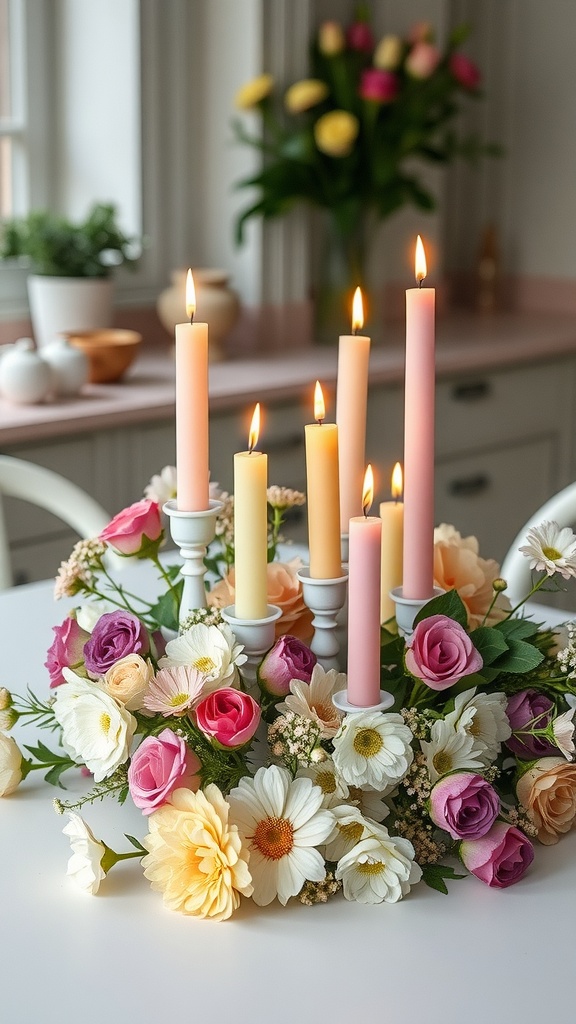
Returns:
(319, 405)
(420, 268)
(397, 482)
(190, 296)
(254, 428)
(368, 490)
(357, 311)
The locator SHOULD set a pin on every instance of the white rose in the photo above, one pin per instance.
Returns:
(96, 729)
(128, 679)
(10, 765)
(85, 864)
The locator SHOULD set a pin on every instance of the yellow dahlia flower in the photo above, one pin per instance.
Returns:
(253, 92)
(305, 94)
(335, 132)
(195, 857)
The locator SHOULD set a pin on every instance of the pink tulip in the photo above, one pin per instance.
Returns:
(379, 86)
(359, 37)
(422, 60)
(465, 71)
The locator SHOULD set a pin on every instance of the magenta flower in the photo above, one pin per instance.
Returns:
(66, 649)
(465, 805)
(440, 652)
(465, 71)
(499, 858)
(359, 37)
(379, 86)
(289, 659)
(160, 765)
(137, 530)
(115, 635)
(228, 716)
(527, 711)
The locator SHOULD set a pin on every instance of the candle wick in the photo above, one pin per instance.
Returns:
(420, 282)
(320, 422)
(192, 317)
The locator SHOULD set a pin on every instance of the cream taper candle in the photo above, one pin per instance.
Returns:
(322, 497)
(392, 516)
(192, 465)
(251, 528)
(351, 406)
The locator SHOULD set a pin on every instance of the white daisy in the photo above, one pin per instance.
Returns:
(349, 829)
(449, 750)
(369, 802)
(210, 649)
(162, 486)
(379, 869)
(551, 549)
(563, 729)
(281, 822)
(96, 729)
(313, 700)
(324, 774)
(85, 864)
(373, 749)
(483, 716)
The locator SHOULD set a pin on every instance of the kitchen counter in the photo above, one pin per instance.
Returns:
(465, 344)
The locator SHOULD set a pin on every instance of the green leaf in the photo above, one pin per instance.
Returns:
(517, 629)
(520, 658)
(53, 775)
(449, 604)
(434, 875)
(165, 611)
(489, 643)
(136, 843)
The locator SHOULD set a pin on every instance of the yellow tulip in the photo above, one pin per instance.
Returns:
(253, 92)
(331, 38)
(335, 132)
(388, 53)
(305, 94)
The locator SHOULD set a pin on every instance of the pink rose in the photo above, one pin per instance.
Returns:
(499, 858)
(380, 86)
(289, 659)
(161, 764)
(359, 37)
(65, 650)
(440, 652)
(465, 71)
(228, 716)
(137, 530)
(465, 805)
(422, 60)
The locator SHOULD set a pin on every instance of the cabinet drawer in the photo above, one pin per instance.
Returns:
(488, 409)
(491, 495)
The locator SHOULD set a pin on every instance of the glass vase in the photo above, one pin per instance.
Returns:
(341, 267)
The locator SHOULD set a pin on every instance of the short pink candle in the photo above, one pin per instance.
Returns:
(365, 538)
(351, 403)
(192, 467)
(418, 557)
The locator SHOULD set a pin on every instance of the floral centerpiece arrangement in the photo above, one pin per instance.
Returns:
(353, 138)
(265, 790)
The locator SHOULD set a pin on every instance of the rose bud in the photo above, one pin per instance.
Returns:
(136, 531)
(289, 659)
(499, 858)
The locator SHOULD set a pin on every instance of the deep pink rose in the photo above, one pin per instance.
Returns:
(359, 37)
(137, 530)
(288, 659)
(228, 716)
(499, 858)
(465, 805)
(465, 71)
(161, 764)
(422, 60)
(440, 652)
(380, 86)
(115, 635)
(526, 711)
(66, 649)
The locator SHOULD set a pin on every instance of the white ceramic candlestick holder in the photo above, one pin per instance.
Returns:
(344, 548)
(340, 700)
(407, 608)
(256, 636)
(192, 533)
(324, 598)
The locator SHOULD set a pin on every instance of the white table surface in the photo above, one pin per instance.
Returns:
(476, 955)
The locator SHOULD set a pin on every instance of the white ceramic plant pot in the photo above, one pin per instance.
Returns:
(63, 304)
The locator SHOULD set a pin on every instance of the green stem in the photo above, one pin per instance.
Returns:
(110, 858)
(534, 590)
(165, 576)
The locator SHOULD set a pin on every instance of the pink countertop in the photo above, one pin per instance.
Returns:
(465, 344)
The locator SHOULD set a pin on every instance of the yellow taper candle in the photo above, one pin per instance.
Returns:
(192, 469)
(251, 528)
(323, 494)
(392, 516)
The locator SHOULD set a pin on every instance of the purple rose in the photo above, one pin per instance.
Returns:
(465, 805)
(160, 765)
(65, 650)
(288, 659)
(115, 635)
(499, 858)
(440, 652)
(529, 710)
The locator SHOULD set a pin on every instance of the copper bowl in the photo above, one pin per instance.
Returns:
(110, 351)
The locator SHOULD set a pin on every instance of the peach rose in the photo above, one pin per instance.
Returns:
(458, 566)
(548, 790)
(284, 591)
(128, 681)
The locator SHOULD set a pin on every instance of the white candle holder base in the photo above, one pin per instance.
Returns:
(192, 533)
(340, 700)
(344, 548)
(324, 598)
(256, 636)
(407, 608)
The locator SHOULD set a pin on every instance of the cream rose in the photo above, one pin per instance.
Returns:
(10, 765)
(458, 566)
(548, 790)
(284, 591)
(127, 681)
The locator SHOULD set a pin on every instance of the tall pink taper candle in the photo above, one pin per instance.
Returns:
(192, 467)
(363, 687)
(418, 559)
(351, 403)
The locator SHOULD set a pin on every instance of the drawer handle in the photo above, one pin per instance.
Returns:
(283, 444)
(470, 486)
(473, 391)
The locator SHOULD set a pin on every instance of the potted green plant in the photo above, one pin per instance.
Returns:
(70, 286)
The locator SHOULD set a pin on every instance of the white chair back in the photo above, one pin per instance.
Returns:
(48, 490)
(561, 509)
